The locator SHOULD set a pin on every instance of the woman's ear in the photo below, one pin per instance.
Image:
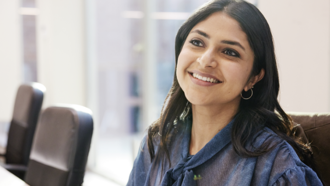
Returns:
(255, 79)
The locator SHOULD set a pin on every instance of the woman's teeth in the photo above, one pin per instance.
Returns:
(205, 78)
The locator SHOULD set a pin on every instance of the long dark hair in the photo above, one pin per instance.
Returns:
(262, 110)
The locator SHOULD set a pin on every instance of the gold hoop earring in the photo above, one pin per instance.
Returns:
(248, 97)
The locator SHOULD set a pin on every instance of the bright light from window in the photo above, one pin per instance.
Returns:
(255, 2)
(157, 15)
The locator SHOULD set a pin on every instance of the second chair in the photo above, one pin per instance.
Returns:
(60, 147)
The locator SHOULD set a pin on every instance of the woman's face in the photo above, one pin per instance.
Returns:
(215, 62)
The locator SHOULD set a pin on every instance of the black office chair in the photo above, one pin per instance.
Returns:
(27, 106)
(60, 147)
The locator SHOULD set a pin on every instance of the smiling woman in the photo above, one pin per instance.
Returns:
(221, 123)
(214, 66)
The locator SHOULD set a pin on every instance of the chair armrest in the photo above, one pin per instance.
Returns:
(14, 167)
(17, 170)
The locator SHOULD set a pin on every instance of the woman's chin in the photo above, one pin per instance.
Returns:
(208, 102)
(198, 101)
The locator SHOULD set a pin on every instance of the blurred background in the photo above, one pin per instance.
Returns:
(117, 58)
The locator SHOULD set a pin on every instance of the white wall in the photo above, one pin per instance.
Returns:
(61, 51)
(301, 30)
(10, 56)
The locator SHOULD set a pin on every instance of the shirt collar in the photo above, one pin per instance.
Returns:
(216, 144)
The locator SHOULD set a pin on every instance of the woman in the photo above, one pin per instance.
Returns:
(221, 123)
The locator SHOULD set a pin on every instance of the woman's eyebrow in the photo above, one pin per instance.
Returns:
(233, 43)
(223, 41)
(201, 33)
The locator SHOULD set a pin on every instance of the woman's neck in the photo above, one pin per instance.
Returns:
(207, 122)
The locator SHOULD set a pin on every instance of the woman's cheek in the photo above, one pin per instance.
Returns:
(179, 74)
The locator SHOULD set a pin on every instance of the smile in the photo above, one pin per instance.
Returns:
(206, 79)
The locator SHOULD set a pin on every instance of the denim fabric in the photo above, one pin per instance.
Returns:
(218, 164)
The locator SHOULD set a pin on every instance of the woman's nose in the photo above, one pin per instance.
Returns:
(207, 59)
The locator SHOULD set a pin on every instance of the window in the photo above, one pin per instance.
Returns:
(122, 75)
(29, 39)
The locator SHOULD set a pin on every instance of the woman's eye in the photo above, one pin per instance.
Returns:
(196, 43)
(231, 53)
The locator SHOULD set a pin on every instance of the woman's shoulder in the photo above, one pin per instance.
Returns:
(144, 147)
(143, 151)
(285, 164)
(280, 149)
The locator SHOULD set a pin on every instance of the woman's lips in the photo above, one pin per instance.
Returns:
(203, 79)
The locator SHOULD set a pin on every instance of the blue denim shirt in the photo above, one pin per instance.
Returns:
(218, 164)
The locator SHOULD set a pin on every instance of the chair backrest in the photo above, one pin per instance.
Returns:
(60, 147)
(27, 106)
(317, 129)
